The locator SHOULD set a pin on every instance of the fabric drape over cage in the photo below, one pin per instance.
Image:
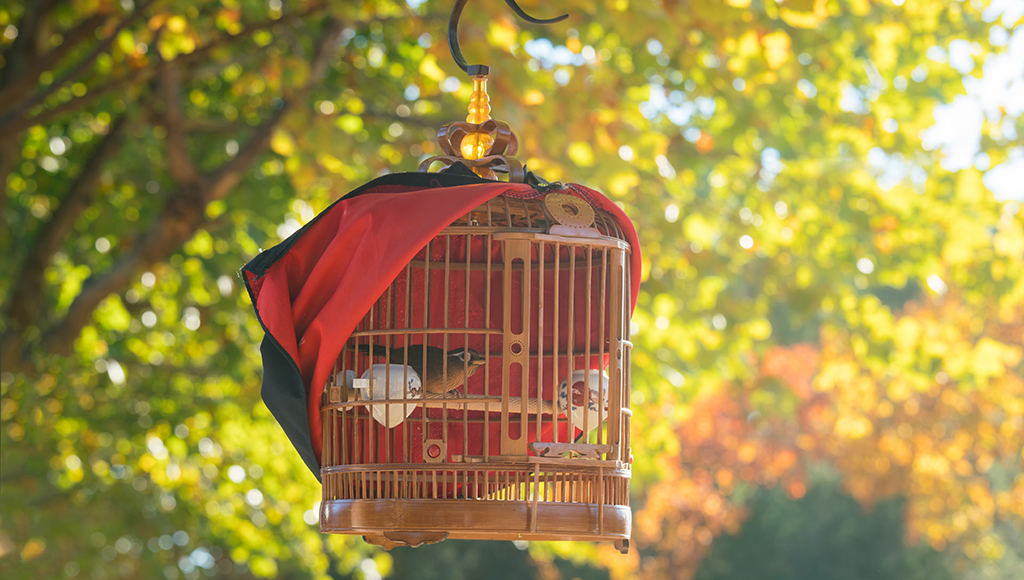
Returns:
(311, 290)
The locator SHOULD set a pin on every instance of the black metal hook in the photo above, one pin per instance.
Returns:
(453, 34)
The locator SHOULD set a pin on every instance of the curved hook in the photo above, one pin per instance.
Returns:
(453, 34)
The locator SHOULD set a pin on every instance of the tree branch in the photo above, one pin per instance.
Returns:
(26, 302)
(10, 130)
(23, 84)
(78, 70)
(11, 124)
(211, 126)
(229, 174)
(181, 167)
(247, 31)
(20, 54)
(59, 339)
(183, 214)
(18, 57)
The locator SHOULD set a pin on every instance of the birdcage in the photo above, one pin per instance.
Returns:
(450, 352)
(529, 299)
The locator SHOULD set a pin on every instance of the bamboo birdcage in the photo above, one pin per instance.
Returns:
(508, 458)
(535, 444)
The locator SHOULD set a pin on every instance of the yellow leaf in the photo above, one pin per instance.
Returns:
(963, 246)
(711, 339)
(1010, 241)
(350, 124)
(776, 48)
(747, 452)
(621, 183)
(429, 69)
(853, 427)
(263, 566)
(708, 289)
(931, 464)
(759, 329)
(502, 33)
(969, 187)
(804, 276)
(282, 144)
(835, 374)
(804, 13)
(581, 154)
(33, 549)
(991, 358)
(747, 47)
(907, 333)
(126, 42)
(697, 228)
(176, 24)
(112, 314)
(860, 7)
(889, 39)
(355, 105)
(533, 97)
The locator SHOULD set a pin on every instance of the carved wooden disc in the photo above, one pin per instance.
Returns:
(569, 210)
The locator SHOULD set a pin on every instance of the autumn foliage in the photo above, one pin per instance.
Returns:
(831, 286)
(950, 443)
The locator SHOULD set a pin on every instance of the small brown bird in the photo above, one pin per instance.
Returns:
(433, 377)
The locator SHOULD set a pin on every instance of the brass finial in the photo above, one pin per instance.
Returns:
(476, 145)
(484, 145)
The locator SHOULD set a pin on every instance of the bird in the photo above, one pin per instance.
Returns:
(462, 363)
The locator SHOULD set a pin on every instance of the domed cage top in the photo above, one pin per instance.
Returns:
(485, 394)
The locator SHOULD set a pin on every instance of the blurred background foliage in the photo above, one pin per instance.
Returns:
(828, 359)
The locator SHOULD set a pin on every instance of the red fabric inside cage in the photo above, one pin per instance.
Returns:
(315, 289)
(474, 299)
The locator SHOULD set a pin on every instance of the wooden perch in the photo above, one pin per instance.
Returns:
(436, 400)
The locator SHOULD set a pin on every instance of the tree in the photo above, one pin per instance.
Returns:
(770, 154)
(141, 131)
(825, 534)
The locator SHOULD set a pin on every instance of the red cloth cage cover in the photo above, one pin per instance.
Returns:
(311, 291)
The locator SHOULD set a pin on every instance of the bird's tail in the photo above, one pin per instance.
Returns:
(378, 350)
